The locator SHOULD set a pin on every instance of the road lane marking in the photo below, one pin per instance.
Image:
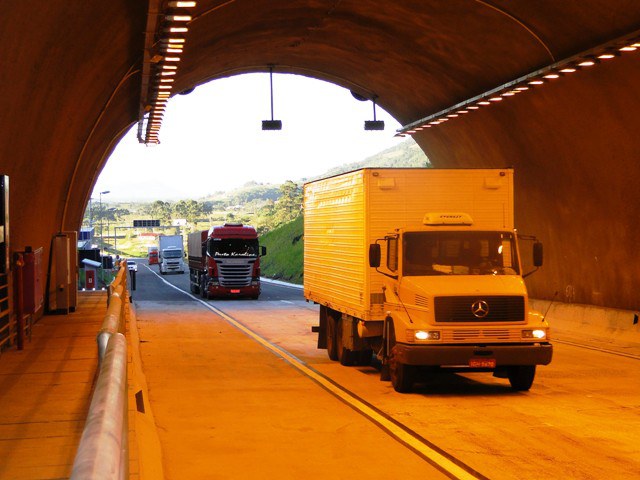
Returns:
(435, 456)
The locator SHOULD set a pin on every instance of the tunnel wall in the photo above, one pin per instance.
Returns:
(71, 86)
(67, 85)
(574, 147)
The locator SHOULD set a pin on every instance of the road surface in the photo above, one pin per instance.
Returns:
(239, 390)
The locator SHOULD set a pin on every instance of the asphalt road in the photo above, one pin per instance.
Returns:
(580, 420)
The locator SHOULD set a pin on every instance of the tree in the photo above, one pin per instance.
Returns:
(289, 206)
(193, 210)
(160, 210)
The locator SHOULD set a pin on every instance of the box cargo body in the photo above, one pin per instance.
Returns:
(196, 249)
(346, 213)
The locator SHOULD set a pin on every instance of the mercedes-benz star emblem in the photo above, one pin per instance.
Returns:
(480, 309)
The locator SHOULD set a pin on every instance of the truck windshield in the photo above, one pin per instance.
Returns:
(459, 253)
(172, 253)
(232, 247)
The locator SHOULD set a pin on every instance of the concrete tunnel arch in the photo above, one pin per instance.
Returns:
(72, 84)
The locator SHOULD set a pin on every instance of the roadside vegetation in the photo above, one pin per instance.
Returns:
(284, 252)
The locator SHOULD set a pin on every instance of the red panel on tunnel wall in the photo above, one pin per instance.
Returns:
(32, 288)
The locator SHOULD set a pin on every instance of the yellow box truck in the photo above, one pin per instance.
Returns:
(422, 268)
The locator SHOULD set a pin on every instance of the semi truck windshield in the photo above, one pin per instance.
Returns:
(232, 247)
(172, 253)
(459, 253)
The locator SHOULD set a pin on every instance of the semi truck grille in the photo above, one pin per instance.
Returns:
(479, 309)
(234, 274)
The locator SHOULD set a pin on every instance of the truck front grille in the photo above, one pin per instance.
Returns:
(484, 335)
(492, 308)
(233, 275)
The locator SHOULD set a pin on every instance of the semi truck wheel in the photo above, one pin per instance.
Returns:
(521, 377)
(203, 287)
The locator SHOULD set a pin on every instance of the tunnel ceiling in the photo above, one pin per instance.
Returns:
(71, 77)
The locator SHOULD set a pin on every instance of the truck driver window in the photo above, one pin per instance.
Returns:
(233, 247)
(459, 253)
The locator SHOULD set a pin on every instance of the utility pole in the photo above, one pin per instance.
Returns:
(101, 220)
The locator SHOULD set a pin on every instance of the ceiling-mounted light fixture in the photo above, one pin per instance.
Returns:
(271, 124)
(164, 47)
(374, 124)
(546, 75)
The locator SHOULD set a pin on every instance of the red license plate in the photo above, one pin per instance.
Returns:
(235, 291)
(482, 363)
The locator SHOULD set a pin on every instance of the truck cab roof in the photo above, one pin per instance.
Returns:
(233, 230)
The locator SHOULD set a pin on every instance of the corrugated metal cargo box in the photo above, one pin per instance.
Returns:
(344, 214)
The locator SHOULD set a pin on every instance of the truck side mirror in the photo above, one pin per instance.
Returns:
(263, 251)
(537, 254)
(374, 255)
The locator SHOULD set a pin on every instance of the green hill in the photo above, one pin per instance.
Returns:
(284, 252)
(404, 155)
(253, 195)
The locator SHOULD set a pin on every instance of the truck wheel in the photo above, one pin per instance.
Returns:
(402, 375)
(332, 346)
(521, 377)
(345, 356)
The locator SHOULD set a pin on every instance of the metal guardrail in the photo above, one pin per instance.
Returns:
(103, 453)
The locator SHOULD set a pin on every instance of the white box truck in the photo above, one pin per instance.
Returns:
(171, 254)
(422, 267)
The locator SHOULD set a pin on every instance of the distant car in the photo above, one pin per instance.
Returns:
(131, 265)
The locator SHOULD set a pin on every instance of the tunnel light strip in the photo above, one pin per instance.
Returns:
(168, 53)
(537, 79)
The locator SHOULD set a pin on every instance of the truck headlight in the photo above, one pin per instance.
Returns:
(538, 334)
(422, 335)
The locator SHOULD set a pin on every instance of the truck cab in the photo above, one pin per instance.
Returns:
(171, 260)
(454, 297)
(225, 261)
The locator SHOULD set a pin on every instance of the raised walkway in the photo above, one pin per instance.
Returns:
(45, 392)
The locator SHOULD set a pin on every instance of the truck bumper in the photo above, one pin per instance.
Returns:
(461, 355)
(225, 292)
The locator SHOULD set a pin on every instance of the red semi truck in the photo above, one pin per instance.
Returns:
(224, 262)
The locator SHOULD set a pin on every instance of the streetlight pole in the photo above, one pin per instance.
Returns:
(101, 220)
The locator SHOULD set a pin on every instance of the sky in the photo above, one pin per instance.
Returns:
(211, 140)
